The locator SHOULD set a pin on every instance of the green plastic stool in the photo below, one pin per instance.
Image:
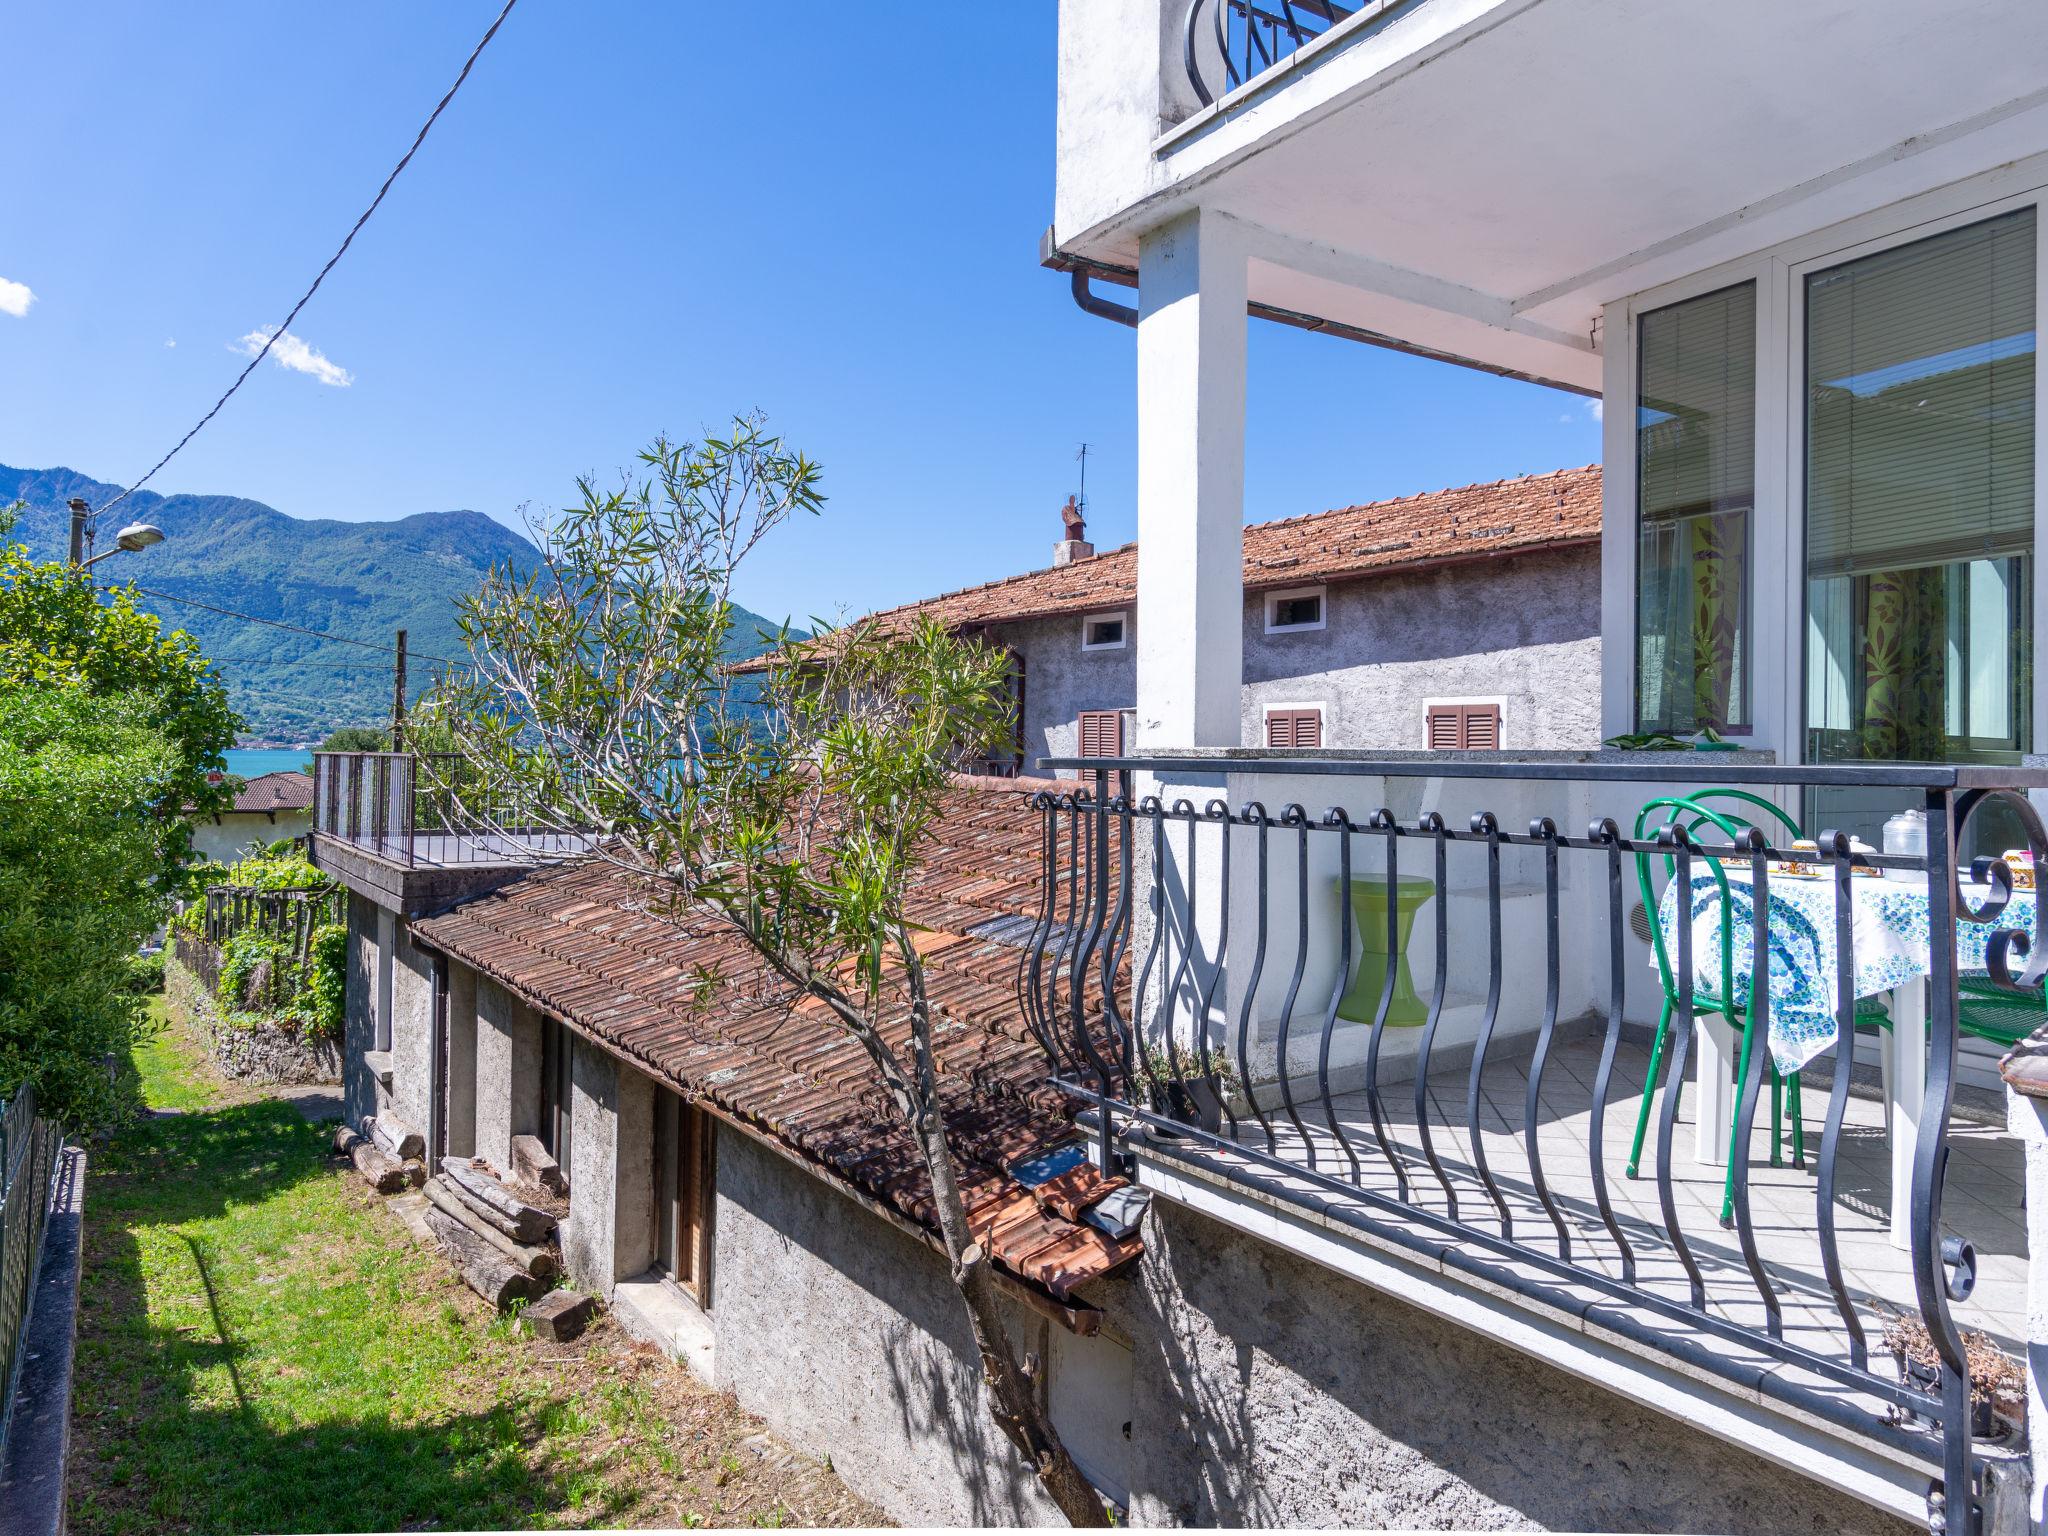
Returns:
(1361, 1001)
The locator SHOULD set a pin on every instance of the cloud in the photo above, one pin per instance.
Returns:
(288, 351)
(15, 298)
(1597, 409)
(170, 341)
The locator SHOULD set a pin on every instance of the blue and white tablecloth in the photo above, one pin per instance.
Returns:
(1889, 936)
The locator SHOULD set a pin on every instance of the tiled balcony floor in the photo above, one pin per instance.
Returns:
(1982, 1203)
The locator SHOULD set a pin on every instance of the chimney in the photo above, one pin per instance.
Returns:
(1074, 544)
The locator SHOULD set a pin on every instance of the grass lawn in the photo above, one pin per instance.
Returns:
(263, 1347)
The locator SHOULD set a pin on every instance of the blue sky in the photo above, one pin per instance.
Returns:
(635, 218)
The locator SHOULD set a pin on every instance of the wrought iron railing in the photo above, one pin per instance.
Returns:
(1189, 963)
(1224, 43)
(434, 809)
(28, 1163)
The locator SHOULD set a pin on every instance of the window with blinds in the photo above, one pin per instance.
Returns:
(1464, 727)
(1919, 498)
(1101, 733)
(1294, 729)
(1695, 502)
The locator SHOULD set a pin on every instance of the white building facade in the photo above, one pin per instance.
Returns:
(1794, 249)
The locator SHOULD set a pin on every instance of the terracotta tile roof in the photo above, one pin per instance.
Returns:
(286, 791)
(1467, 522)
(589, 944)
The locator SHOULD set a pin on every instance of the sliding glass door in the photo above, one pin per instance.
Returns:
(1919, 499)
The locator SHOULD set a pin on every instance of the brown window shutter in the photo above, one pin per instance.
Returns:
(1101, 732)
(1464, 728)
(1294, 729)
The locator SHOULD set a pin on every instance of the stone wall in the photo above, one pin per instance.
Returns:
(262, 1052)
(1271, 1392)
(846, 1335)
(1232, 1384)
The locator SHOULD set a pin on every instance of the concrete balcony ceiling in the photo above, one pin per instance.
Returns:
(1481, 176)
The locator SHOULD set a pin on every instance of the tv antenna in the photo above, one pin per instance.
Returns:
(1081, 499)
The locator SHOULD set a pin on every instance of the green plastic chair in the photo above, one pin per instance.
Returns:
(1989, 1012)
(1695, 813)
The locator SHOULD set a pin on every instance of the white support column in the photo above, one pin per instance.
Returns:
(1191, 386)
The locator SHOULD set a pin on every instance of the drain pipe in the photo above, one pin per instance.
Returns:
(1101, 308)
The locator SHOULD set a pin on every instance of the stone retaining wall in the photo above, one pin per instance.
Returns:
(264, 1053)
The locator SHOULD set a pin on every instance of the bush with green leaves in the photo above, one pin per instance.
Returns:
(81, 847)
(60, 633)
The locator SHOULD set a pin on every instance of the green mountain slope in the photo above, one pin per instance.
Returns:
(352, 581)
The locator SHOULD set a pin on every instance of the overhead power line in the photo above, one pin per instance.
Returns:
(354, 229)
(297, 629)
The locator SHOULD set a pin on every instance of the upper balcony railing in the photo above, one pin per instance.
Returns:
(431, 810)
(1224, 43)
(1225, 983)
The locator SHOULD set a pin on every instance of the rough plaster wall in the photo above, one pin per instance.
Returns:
(1273, 1393)
(226, 838)
(507, 1072)
(809, 1288)
(1525, 630)
(358, 1021)
(609, 1235)
(1061, 680)
(412, 1031)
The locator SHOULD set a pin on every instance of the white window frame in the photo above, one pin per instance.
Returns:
(1120, 616)
(1274, 599)
(1778, 542)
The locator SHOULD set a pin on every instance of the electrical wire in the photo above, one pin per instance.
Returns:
(354, 230)
(297, 629)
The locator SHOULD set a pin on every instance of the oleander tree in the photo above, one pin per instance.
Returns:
(790, 807)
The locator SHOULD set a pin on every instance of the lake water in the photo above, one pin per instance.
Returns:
(251, 761)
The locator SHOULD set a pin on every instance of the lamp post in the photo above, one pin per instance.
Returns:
(135, 536)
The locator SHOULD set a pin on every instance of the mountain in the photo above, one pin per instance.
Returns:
(353, 581)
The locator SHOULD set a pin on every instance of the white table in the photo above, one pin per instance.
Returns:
(1891, 947)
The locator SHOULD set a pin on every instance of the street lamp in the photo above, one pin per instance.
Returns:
(135, 536)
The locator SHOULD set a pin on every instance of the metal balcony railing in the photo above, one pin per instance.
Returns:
(433, 810)
(1224, 43)
(1188, 974)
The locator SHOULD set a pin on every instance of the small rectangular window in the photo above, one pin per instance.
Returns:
(1101, 733)
(1102, 632)
(1301, 608)
(1294, 729)
(1464, 728)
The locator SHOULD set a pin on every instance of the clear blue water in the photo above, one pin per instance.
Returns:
(251, 761)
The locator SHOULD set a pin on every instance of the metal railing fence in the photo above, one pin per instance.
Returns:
(1165, 930)
(1225, 43)
(29, 1147)
(433, 809)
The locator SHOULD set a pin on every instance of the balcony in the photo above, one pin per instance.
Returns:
(420, 830)
(1479, 179)
(1468, 1147)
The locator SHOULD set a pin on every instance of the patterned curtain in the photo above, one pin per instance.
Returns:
(1904, 628)
(1716, 616)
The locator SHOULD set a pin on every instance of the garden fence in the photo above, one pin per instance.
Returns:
(28, 1163)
